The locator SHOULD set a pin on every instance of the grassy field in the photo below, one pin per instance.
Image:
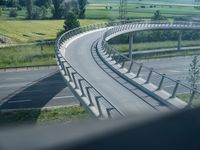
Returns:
(154, 45)
(27, 55)
(135, 11)
(22, 31)
(45, 116)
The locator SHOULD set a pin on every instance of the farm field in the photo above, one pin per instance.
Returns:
(144, 9)
(22, 31)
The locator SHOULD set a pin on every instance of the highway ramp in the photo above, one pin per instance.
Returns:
(78, 54)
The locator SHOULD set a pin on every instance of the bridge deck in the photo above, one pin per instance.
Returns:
(78, 53)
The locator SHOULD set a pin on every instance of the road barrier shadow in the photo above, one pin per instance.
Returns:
(35, 95)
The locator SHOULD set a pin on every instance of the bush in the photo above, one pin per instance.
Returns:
(13, 13)
(0, 11)
(71, 22)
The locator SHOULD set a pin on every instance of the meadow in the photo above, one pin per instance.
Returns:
(23, 31)
(27, 55)
(135, 10)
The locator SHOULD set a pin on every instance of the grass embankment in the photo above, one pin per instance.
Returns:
(29, 55)
(45, 116)
(154, 45)
(22, 31)
(186, 98)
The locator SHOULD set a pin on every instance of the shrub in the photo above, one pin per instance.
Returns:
(13, 13)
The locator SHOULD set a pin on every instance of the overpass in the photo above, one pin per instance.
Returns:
(111, 85)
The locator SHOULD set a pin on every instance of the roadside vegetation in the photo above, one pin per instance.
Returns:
(46, 116)
(27, 55)
(154, 45)
(186, 98)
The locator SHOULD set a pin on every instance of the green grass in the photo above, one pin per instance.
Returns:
(22, 31)
(154, 45)
(28, 55)
(186, 98)
(98, 10)
(45, 116)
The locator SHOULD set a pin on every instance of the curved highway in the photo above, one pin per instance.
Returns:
(125, 97)
(78, 54)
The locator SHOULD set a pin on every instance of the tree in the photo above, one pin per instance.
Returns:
(2, 2)
(57, 9)
(29, 7)
(82, 4)
(157, 16)
(12, 3)
(13, 13)
(0, 11)
(71, 22)
(194, 72)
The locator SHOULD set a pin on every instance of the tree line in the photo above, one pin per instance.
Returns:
(38, 9)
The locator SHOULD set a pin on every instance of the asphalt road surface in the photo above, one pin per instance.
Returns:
(124, 96)
(34, 89)
(175, 68)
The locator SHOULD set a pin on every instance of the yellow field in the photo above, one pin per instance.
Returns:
(22, 31)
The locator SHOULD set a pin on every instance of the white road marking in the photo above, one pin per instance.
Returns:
(19, 101)
(63, 97)
(174, 71)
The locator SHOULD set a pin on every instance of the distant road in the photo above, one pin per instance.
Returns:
(34, 89)
(175, 68)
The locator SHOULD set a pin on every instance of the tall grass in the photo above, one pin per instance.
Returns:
(45, 116)
(27, 55)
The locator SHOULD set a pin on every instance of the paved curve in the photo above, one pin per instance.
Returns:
(79, 56)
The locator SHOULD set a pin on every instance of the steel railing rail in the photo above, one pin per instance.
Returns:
(140, 26)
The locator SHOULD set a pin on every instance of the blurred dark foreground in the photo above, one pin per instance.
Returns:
(178, 131)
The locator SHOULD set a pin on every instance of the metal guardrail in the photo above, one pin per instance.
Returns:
(150, 72)
(95, 102)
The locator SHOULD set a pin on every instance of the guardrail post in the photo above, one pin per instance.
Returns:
(113, 57)
(98, 106)
(89, 96)
(82, 91)
(63, 67)
(108, 110)
(73, 76)
(67, 69)
(161, 82)
(110, 53)
(130, 67)
(175, 89)
(123, 63)
(131, 45)
(191, 98)
(149, 76)
(179, 40)
(138, 73)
